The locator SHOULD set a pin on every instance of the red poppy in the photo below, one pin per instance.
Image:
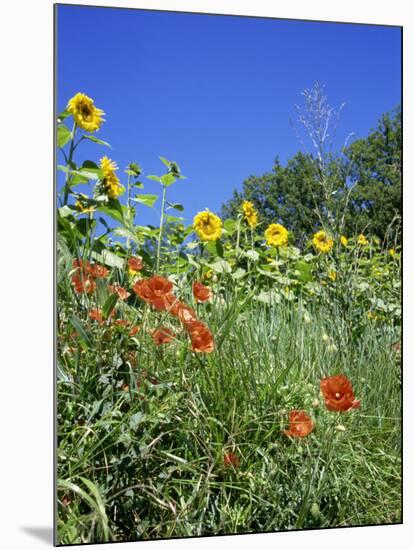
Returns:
(119, 290)
(157, 291)
(81, 265)
(162, 335)
(301, 424)
(96, 315)
(338, 393)
(98, 271)
(135, 264)
(83, 283)
(201, 337)
(231, 459)
(201, 292)
(185, 313)
(134, 330)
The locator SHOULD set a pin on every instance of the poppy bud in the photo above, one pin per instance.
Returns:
(315, 510)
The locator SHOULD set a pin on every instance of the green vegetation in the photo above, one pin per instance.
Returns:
(180, 361)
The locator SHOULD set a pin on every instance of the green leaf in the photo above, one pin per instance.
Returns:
(176, 206)
(63, 135)
(63, 115)
(83, 335)
(87, 173)
(90, 164)
(215, 248)
(109, 305)
(136, 419)
(230, 226)
(147, 200)
(99, 141)
(252, 255)
(65, 211)
(126, 233)
(239, 273)
(112, 208)
(221, 266)
(165, 161)
(108, 258)
(172, 219)
(268, 297)
(304, 270)
(168, 179)
(154, 178)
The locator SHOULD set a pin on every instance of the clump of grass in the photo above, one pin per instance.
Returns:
(143, 432)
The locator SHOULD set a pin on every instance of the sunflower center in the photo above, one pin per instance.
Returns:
(86, 111)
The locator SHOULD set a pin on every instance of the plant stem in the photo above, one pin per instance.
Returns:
(69, 163)
(158, 254)
(238, 236)
(129, 212)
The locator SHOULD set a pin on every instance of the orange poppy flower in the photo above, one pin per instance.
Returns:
(185, 313)
(201, 337)
(135, 264)
(231, 459)
(201, 292)
(301, 424)
(157, 291)
(119, 290)
(98, 271)
(82, 265)
(338, 393)
(162, 335)
(83, 283)
(96, 315)
(134, 330)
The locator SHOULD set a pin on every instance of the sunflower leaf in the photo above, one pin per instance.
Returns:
(99, 141)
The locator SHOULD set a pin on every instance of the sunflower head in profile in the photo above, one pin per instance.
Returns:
(322, 242)
(250, 214)
(208, 226)
(276, 235)
(85, 114)
(110, 180)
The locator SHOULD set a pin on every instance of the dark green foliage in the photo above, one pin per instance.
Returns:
(303, 197)
(375, 164)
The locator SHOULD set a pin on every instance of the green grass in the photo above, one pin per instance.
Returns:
(146, 461)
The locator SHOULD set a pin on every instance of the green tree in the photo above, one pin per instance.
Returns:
(359, 190)
(374, 168)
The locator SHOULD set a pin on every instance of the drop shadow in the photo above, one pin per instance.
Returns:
(45, 534)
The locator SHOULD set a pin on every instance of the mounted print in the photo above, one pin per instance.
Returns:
(228, 274)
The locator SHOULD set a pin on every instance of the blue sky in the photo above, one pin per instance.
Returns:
(216, 93)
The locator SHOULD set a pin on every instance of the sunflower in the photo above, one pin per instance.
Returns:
(344, 240)
(276, 235)
(250, 214)
(110, 180)
(85, 114)
(322, 242)
(362, 240)
(208, 226)
(80, 207)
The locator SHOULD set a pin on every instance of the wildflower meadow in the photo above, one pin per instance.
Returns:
(220, 374)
